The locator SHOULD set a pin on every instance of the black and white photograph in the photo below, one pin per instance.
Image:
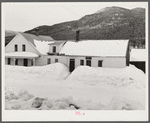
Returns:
(74, 61)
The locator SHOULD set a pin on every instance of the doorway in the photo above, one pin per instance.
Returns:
(99, 63)
(72, 65)
(88, 62)
(25, 62)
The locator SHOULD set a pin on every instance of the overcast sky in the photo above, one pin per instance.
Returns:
(26, 16)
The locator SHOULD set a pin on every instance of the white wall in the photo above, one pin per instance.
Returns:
(43, 59)
(110, 62)
(20, 40)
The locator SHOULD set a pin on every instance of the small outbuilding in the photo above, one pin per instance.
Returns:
(138, 58)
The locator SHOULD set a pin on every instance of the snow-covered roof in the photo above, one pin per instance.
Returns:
(21, 55)
(57, 43)
(96, 48)
(42, 46)
(31, 37)
(40, 42)
(138, 55)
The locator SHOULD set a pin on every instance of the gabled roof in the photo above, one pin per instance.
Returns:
(96, 48)
(39, 42)
(31, 37)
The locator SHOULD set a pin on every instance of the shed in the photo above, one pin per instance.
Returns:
(138, 58)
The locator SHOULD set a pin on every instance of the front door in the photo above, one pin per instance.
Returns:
(88, 62)
(72, 65)
(25, 62)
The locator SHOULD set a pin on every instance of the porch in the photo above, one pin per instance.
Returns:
(21, 58)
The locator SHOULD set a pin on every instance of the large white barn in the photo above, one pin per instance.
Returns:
(36, 50)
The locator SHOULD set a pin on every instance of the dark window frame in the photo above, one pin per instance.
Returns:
(54, 49)
(16, 47)
(56, 60)
(9, 61)
(23, 47)
(81, 62)
(48, 61)
(16, 62)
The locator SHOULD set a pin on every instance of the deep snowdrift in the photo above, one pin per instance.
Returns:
(51, 88)
(53, 71)
(129, 77)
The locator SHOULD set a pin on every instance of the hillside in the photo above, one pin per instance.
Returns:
(10, 33)
(108, 23)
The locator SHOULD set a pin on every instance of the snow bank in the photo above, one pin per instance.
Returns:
(86, 88)
(52, 71)
(129, 77)
(68, 103)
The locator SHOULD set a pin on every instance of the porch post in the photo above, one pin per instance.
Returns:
(33, 61)
(14, 60)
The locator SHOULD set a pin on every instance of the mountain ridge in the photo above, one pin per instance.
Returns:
(107, 23)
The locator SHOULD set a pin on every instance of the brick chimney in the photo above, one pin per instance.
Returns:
(77, 35)
(37, 31)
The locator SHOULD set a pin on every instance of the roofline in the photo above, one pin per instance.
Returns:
(99, 40)
(12, 40)
(35, 48)
(128, 47)
(57, 41)
(90, 56)
(21, 57)
(31, 45)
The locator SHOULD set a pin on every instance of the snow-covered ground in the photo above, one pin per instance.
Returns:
(52, 87)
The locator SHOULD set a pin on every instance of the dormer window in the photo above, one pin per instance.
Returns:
(16, 47)
(54, 49)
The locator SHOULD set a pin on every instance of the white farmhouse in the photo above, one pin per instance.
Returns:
(28, 50)
(25, 49)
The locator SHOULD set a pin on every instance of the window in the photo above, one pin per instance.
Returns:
(88, 57)
(16, 62)
(9, 61)
(54, 49)
(81, 62)
(56, 60)
(23, 47)
(31, 62)
(100, 63)
(48, 61)
(16, 47)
